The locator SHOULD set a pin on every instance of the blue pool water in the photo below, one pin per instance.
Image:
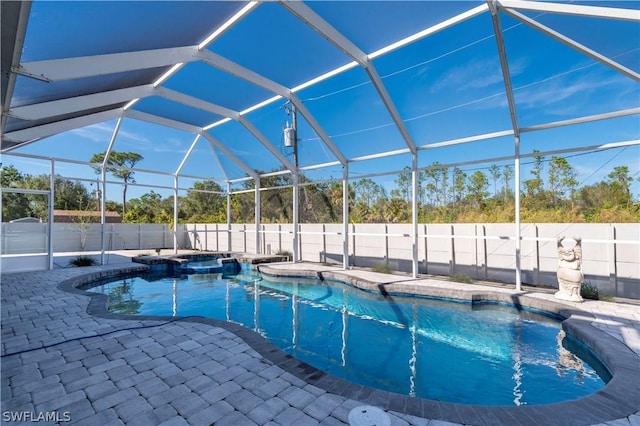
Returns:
(455, 352)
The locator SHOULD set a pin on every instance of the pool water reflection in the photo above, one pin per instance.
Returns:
(486, 354)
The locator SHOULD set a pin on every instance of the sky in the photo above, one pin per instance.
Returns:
(444, 87)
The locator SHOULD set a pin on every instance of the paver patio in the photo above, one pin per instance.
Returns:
(63, 353)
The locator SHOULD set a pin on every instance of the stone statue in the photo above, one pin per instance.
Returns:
(569, 271)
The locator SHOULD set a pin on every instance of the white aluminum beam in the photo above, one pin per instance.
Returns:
(296, 217)
(215, 142)
(580, 120)
(573, 44)
(217, 158)
(226, 65)
(241, 14)
(20, 31)
(345, 217)
(391, 107)
(191, 101)
(79, 103)
(504, 65)
(414, 215)
(265, 142)
(318, 24)
(256, 213)
(472, 13)
(51, 129)
(380, 155)
(162, 121)
(89, 66)
(506, 77)
(468, 139)
(175, 211)
(187, 155)
(246, 74)
(572, 9)
(322, 27)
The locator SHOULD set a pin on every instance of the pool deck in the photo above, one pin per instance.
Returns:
(63, 352)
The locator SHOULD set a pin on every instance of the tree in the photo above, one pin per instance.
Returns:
(150, 208)
(444, 185)
(477, 187)
(404, 185)
(562, 178)
(369, 192)
(204, 203)
(495, 173)
(459, 179)
(120, 165)
(621, 178)
(67, 194)
(370, 201)
(14, 205)
(534, 186)
(436, 177)
(507, 174)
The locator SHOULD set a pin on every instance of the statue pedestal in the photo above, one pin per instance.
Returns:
(569, 291)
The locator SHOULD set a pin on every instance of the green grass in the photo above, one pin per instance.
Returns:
(83, 261)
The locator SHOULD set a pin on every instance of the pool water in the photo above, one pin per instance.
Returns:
(489, 354)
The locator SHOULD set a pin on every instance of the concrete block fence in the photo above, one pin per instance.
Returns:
(611, 252)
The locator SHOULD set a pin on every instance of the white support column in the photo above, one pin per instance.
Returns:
(175, 214)
(52, 187)
(103, 195)
(414, 213)
(228, 216)
(175, 193)
(516, 194)
(257, 213)
(506, 76)
(296, 192)
(345, 217)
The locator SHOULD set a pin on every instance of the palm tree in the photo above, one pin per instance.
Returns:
(120, 165)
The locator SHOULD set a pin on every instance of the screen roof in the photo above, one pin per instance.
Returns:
(358, 80)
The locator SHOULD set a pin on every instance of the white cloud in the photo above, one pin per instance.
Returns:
(132, 136)
(559, 90)
(476, 74)
(96, 132)
(102, 132)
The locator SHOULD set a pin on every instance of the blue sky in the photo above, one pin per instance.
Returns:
(446, 86)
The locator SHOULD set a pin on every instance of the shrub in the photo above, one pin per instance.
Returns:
(286, 253)
(588, 291)
(460, 278)
(382, 268)
(83, 261)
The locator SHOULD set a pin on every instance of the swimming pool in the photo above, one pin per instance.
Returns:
(486, 354)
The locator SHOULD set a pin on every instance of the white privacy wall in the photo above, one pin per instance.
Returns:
(611, 253)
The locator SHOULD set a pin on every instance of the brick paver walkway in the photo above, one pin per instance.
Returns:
(60, 355)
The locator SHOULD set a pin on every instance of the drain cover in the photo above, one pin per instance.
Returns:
(368, 415)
